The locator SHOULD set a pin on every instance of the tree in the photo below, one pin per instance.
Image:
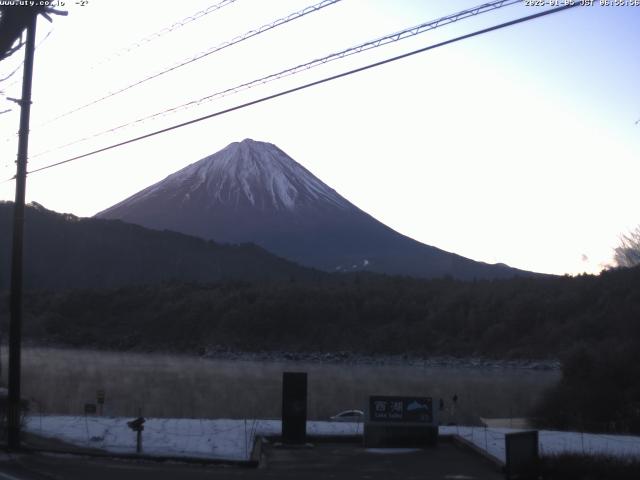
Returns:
(627, 254)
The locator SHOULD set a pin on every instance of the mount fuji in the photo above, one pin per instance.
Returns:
(254, 192)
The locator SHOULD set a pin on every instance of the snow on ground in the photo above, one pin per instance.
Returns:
(174, 437)
(491, 440)
(233, 439)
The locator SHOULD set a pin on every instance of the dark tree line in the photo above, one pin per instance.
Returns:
(370, 314)
(598, 392)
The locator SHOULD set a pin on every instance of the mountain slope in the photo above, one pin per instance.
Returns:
(63, 251)
(254, 192)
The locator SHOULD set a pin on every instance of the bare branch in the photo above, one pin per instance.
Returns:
(627, 254)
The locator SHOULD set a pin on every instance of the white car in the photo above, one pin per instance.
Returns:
(348, 416)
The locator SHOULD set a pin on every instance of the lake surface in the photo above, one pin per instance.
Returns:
(63, 381)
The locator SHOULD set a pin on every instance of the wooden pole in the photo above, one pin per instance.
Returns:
(15, 323)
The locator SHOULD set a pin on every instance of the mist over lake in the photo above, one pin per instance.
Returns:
(62, 381)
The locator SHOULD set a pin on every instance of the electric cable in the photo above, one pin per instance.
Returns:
(12, 73)
(312, 84)
(250, 34)
(369, 45)
(160, 33)
(20, 65)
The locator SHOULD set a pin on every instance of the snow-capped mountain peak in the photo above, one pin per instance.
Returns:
(254, 192)
(248, 173)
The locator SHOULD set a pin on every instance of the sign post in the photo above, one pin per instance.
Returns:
(400, 422)
(100, 394)
(137, 426)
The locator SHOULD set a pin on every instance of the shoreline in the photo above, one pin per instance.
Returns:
(349, 358)
(218, 352)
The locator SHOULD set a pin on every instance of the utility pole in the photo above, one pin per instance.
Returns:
(15, 323)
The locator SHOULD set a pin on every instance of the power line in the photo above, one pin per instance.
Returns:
(312, 84)
(7, 87)
(12, 73)
(206, 53)
(165, 31)
(378, 42)
(15, 70)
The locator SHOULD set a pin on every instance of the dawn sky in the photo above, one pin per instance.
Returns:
(519, 146)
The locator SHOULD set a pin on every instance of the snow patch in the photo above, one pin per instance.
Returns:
(491, 440)
(173, 437)
(255, 172)
(233, 439)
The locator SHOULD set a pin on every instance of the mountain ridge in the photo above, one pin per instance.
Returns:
(63, 251)
(253, 191)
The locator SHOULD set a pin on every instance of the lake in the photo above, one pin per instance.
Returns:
(62, 381)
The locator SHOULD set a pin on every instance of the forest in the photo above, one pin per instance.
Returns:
(545, 317)
(590, 323)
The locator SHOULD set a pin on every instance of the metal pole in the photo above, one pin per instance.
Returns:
(139, 441)
(15, 324)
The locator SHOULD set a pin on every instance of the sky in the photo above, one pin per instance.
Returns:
(519, 146)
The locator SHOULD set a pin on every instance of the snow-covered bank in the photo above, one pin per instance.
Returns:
(233, 439)
(491, 440)
(172, 437)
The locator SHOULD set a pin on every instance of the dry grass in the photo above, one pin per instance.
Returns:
(62, 381)
(589, 467)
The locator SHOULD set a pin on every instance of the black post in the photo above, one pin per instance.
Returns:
(294, 407)
(15, 324)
